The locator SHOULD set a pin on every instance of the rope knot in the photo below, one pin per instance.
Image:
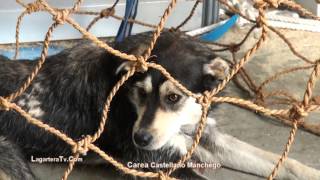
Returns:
(205, 99)
(33, 7)
(265, 3)
(274, 3)
(107, 12)
(141, 64)
(4, 104)
(260, 4)
(261, 21)
(61, 16)
(82, 146)
(298, 112)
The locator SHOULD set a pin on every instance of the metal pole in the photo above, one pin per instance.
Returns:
(130, 13)
(210, 12)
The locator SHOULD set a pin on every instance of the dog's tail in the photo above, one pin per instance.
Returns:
(13, 165)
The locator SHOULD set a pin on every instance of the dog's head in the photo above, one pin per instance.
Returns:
(162, 109)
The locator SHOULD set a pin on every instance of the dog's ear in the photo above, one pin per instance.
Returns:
(124, 67)
(214, 72)
(137, 51)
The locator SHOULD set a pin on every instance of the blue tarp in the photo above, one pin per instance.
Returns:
(30, 52)
(219, 31)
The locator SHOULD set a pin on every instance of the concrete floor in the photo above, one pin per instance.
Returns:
(260, 131)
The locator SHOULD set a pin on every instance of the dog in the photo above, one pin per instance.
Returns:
(150, 120)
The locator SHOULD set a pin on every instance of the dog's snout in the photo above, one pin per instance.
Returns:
(142, 138)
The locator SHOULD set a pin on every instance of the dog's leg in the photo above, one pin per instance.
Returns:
(13, 166)
(239, 155)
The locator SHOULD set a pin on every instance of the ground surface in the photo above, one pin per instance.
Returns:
(262, 132)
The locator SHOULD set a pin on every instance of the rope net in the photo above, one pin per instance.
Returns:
(293, 116)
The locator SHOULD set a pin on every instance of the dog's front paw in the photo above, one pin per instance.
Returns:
(297, 171)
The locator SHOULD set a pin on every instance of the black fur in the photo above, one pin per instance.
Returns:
(12, 162)
(72, 87)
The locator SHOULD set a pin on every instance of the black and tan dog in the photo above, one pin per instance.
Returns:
(150, 119)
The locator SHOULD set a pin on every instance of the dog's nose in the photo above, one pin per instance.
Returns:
(142, 138)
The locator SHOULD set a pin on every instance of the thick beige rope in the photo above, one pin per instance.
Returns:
(296, 113)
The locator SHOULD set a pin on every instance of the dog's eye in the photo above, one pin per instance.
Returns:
(173, 98)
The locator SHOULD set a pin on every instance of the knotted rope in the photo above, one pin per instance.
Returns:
(297, 113)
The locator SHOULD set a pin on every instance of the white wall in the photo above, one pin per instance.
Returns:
(35, 26)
